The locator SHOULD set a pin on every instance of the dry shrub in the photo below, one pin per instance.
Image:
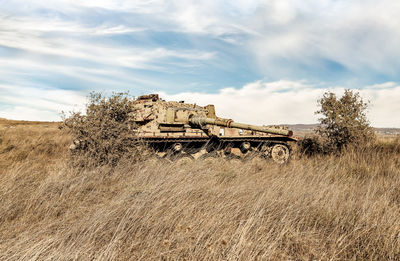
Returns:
(105, 133)
(313, 145)
(344, 121)
(343, 124)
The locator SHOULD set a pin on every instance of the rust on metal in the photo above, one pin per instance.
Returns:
(172, 127)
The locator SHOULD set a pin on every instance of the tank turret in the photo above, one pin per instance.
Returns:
(180, 129)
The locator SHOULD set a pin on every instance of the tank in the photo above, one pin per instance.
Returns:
(179, 130)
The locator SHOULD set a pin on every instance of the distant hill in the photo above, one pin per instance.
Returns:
(388, 131)
(302, 129)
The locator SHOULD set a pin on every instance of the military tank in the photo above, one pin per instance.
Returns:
(177, 130)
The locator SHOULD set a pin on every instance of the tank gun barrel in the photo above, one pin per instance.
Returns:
(201, 121)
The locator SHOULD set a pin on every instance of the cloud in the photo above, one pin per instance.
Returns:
(187, 48)
(288, 102)
(269, 103)
(318, 40)
(29, 103)
(261, 102)
(384, 105)
(356, 35)
(63, 53)
(29, 35)
(305, 38)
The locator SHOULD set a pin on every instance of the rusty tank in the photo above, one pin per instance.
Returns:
(177, 130)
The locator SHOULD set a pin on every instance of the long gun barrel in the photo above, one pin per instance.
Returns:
(201, 121)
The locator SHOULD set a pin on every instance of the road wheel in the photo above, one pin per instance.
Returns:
(280, 153)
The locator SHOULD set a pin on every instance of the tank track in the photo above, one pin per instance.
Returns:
(224, 147)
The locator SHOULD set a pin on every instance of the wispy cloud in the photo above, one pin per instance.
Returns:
(288, 102)
(281, 102)
(187, 47)
(333, 37)
(30, 103)
(29, 36)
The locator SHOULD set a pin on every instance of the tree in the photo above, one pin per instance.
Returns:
(344, 120)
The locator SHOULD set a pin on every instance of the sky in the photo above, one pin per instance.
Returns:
(258, 61)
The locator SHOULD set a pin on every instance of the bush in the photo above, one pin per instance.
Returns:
(313, 145)
(105, 133)
(344, 120)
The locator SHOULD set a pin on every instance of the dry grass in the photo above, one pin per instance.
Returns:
(320, 208)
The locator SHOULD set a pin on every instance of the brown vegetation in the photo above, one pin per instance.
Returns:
(319, 208)
(344, 121)
(105, 133)
(343, 125)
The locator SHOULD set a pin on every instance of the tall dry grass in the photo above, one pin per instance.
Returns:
(318, 208)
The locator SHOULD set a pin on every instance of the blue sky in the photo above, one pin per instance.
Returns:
(262, 62)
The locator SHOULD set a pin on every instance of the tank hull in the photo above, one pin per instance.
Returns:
(178, 129)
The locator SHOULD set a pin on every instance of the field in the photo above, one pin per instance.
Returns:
(321, 208)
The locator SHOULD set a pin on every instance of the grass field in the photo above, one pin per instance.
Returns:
(322, 208)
